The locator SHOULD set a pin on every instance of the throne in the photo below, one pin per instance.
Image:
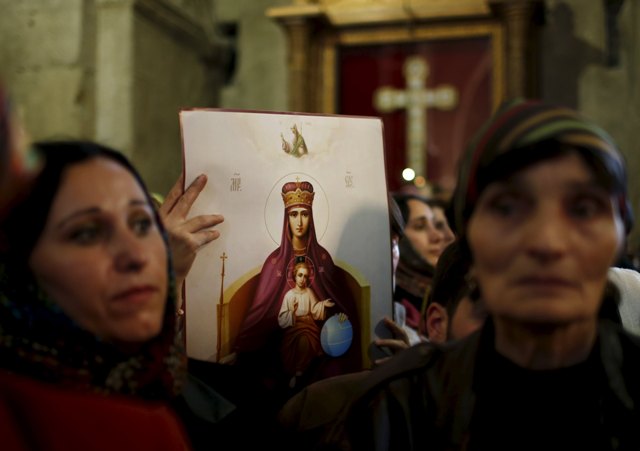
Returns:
(237, 300)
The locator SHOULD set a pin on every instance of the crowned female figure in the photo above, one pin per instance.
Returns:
(260, 336)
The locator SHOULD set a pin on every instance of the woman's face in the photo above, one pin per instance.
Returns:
(542, 243)
(299, 221)
(442, 224)
(101, 256)
(422, 232)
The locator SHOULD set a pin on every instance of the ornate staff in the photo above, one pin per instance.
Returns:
(220, 308)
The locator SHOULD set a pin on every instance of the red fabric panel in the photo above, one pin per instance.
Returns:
(464, 63)
(36, 416)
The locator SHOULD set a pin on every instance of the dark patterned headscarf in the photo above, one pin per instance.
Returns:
(521, 133)
(414, 272)
(38, 340)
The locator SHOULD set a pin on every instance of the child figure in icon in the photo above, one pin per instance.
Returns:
(271, 321)
(299, 316)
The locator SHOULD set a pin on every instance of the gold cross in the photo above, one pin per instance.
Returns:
(416, 99)
(220, 310)
(223, 257)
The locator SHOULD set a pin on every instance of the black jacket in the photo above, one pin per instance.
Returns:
(424, 399)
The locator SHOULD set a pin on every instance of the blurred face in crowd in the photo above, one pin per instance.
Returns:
(442, 225)
(422, 231)
(468, 317)
(542, 242)
(101, 256)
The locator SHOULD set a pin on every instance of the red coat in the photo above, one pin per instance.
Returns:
(37, 416)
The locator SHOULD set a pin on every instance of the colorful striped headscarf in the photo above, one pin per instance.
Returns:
(518, 125)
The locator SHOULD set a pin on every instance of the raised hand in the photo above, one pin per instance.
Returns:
(396, 344)
(187, 236)
(328, 303)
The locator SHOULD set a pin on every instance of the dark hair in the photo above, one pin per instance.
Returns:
(446, 207)
(23, 226)
(402, 199)
(396, 219)
(449, 284)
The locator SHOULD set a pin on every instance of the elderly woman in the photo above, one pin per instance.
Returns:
(89, 356)
(541, 207)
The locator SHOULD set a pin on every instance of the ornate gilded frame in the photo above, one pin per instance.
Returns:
(317, 28)
(327, 83)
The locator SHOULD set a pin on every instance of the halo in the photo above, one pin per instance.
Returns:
(292, 264)
(274, 207)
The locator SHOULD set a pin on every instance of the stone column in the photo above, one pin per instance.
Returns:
(517, 16)
(114, 73)
(300, 21)
(298, 31)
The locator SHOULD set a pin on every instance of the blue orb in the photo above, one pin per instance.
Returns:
(336, 336)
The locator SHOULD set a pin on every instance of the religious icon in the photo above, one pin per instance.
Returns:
(299, 313)
(301, 274)
(301, 309)
(297, 147)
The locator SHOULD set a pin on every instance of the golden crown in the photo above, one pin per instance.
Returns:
(297, 193)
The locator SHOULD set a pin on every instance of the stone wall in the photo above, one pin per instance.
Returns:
(153, 59)
(47, 54)
(260, 77)
(168, 76)
(116, 71)
(575, 73)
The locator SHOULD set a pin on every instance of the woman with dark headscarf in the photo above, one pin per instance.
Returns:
(89, 357)
(426, 234)
(541, 208)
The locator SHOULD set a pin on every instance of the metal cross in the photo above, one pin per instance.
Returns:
(416, 99)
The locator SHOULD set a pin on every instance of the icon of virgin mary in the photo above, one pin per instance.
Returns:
(260, 338)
